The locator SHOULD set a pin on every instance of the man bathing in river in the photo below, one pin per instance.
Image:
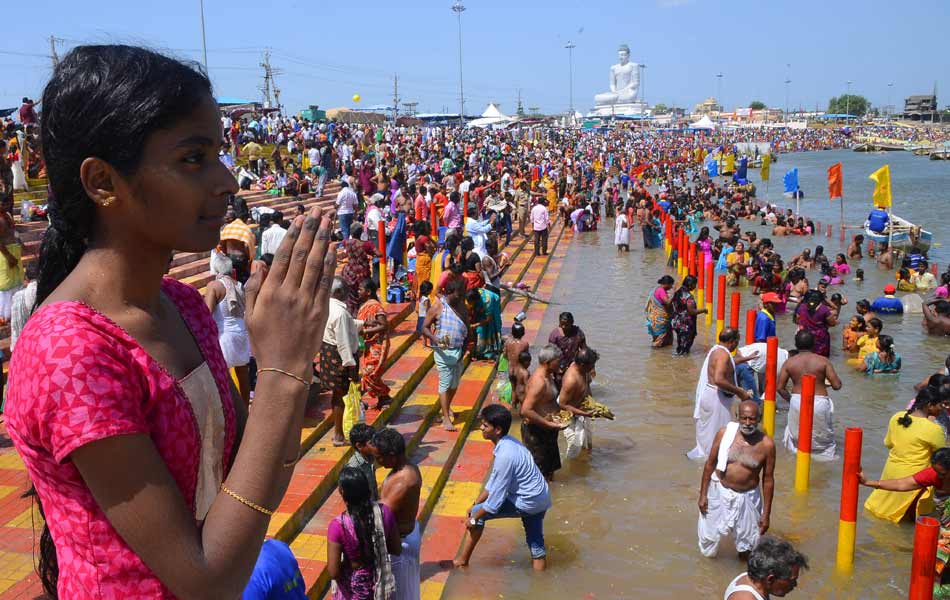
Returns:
(574, 389)
(538, 427)
(806, 362)
(715, 390)
(729, 496)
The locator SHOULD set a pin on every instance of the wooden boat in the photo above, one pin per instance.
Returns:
(900, 233)
(940, 155)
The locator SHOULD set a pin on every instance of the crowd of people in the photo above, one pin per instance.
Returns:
(115, 364)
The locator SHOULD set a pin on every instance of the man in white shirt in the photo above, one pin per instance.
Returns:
(479, 230)
(338, 354)
(274, 234)
(346, 203)
(540, 220)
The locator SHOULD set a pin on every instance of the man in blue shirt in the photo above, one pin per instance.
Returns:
(515, 489)
(888, 304)
(765, 318)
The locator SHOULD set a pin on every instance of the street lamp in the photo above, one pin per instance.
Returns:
(719, 94)
(570, 73)
(890, 107)
(643, 78)
(788, 80)
(848, 101)
(204, 43)
(458, 8)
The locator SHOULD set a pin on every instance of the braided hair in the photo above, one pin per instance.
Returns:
(359, 506)
(925, 397)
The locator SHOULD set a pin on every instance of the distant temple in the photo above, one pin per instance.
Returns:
(921, 107)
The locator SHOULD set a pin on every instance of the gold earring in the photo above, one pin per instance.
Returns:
(107, 202)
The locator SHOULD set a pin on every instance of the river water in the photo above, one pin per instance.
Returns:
(623, 523)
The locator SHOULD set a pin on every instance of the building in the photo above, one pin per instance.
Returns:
(707, 106)
(921, 107)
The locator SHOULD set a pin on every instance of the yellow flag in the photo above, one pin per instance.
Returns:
(766, 167)
(730, 164)
(882, 186)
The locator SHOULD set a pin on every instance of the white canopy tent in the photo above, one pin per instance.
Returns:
(704, 123)
(492, 116)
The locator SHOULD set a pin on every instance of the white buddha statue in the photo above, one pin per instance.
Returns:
(624, 81)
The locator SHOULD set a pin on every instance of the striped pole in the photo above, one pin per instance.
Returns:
(680, 247)
(926, 533)
(700, 284)
(720, 305)
(734, 308)
(667, 235)
(805, 422)
(771, 374)
(750, 325)
(435, 223)
(692, 259)
(709, 291)
(829, 230)
(382, 263)
(848, 514)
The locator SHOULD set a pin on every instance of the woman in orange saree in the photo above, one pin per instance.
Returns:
(375, 330)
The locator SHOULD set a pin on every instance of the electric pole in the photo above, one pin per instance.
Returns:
(204, 41)
(52, 51)
(570, 73)
(395, 98)
(269, 83)
(520, 111)
(410, 108)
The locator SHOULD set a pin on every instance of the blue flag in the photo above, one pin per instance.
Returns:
(791, 181)
(712, 168)
(740, 176)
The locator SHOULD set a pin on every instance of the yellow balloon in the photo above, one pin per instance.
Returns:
(356, 97)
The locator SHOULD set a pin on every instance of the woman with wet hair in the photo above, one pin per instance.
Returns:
(156, 483)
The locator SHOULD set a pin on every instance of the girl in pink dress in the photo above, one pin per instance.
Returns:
(154, 480)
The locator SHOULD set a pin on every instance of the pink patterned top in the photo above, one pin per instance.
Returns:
(78, 377)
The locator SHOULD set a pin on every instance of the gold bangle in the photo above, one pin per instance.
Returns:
(246, 502)
(305, 383)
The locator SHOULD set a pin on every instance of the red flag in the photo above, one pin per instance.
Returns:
(834, 181)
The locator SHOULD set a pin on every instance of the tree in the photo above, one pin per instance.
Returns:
(757, 105)
(660, 109)
(857, 105)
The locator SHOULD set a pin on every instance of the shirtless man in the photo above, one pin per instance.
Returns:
(729, 496)
(715, 390)
(515, 344)
(885, 260)
(575, 387)
(400, 492)
(937, 317)
(805, 362)
(803, 260)
(538, 427)
(854, 248)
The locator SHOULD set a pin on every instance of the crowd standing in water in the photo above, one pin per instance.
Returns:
(117, 361)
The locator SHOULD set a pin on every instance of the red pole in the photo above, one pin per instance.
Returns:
(734, 310)
(700, 272)
(435, 222)
(848, 514)
(806, 421)
(721, 299)
(924, 558)
(829, 230)
(692, 259)
(771, 372)
(750, 325)
(933, 268)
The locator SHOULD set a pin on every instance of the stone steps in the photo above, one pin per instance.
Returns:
(432, 448)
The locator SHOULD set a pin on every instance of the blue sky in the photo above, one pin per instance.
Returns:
(330, 51)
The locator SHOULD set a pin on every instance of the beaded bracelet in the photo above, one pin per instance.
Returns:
(246, 502)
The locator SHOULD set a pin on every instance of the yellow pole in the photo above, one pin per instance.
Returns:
(805, 422)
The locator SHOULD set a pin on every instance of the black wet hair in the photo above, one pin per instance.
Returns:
(389, 442)
(517, 331)
(497, 416)
(524, 357)
(103, 102)
(925, 397)
(370, 286)
(354, 488)
(361, 433)
(941, 457)
(586, 356)
(666, 280)
(425, 288)
(804, 340)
